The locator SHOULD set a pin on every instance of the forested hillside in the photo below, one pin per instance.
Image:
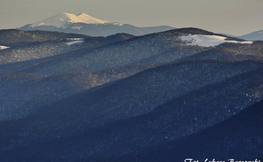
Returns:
(167, 96)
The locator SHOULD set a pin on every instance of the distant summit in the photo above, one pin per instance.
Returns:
(88, 25)
(61, 20)
(257, 35)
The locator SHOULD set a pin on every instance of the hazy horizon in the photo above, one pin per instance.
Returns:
(237, 17)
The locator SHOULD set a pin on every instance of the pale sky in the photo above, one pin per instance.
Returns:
(235, 17)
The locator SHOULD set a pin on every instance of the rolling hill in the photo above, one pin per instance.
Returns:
(166, 96)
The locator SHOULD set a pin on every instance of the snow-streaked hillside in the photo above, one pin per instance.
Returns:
(29, 45)
(209, 40)
(74, 42)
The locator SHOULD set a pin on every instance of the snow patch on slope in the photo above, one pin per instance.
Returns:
(74, 42)
(62, 19)
(3, 47)
(77, 27)
(209, 40)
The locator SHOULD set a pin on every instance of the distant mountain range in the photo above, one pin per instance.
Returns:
(87, 25)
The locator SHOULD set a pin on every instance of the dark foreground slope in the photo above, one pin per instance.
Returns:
(133, 96)
(176, 119)
(239, 138)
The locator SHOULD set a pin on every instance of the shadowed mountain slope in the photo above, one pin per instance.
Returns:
(177, 118)
(126, 98)
(23, 94)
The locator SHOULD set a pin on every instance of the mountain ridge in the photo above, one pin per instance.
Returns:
(87, 25)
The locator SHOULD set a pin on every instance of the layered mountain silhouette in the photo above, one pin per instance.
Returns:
(34, 91)
(131, 97)
(87, 25)
(166, 96)
(177, 118)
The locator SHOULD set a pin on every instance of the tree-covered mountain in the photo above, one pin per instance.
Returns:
(136, 95)
(238, 137)
(134, 50)
(167, 96)
(177, 118)
(40, 44)
(23, 94)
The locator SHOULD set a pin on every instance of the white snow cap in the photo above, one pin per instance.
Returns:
(209, 40)
(61, 19)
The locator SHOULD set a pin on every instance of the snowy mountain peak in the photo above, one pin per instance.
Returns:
(84, 14)
(88, 25)
(62, 19)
